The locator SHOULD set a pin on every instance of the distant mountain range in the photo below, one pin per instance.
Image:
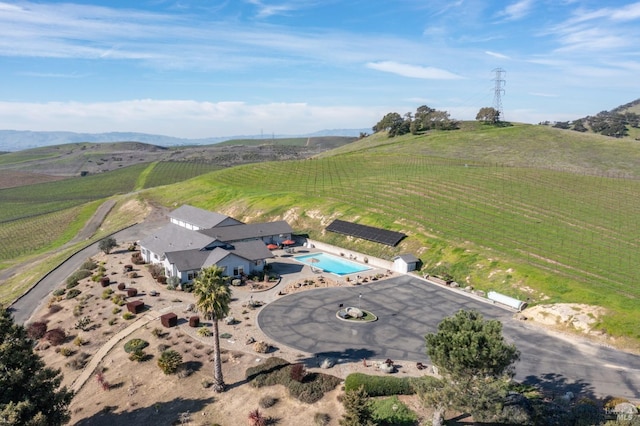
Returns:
(18, 140)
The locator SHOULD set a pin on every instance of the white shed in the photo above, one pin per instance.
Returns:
(405, 263)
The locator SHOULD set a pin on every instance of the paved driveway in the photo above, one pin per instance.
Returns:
(408, 308)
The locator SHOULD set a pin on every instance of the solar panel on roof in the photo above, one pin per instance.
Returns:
(365, 232)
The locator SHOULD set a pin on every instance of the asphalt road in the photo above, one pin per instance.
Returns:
(408, 308)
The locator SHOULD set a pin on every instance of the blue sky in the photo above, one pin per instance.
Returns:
(199, 68)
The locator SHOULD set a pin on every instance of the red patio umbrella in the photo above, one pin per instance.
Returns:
(272, 246)
(288, 242)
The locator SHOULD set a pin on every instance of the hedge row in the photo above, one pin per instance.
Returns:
(379, 385)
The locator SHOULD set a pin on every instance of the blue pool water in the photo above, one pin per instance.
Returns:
(332, 264)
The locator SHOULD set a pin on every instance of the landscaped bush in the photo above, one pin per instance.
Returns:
(64, 351)
(83, 323)
(169, 361)
(267, 401)
(136, 258)
(55, 336)
(107, 293)
(268, 366)
(59, 292)
(162, 279)
(321, 419)
(128, 315)
(79, 361)
(155, 270)
(204, 332)
(73, 279)
(118, 299)
(73, 293)
(79, 341)
(36, 330)
(89, 265)
(54, 308)
(379, 385)
(138, 355)
(298, 372)
(278, 371)
(134, 345)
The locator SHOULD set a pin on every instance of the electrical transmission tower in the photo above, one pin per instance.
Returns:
(498, 91)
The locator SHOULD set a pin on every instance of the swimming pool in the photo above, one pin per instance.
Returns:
(332, 264)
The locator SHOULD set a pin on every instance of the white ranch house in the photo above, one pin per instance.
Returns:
(195, 238)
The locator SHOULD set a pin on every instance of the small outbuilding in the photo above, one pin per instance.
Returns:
(405, 263)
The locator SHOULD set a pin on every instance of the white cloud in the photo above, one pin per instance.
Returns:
(517, 10)
(544, 95)
(496, 55)
(413, 71)
(188, 119)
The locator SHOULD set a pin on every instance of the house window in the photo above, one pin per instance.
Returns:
(191, 276)
(155, 256)
(238, 270)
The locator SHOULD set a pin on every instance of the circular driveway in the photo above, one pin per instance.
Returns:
(409, 307)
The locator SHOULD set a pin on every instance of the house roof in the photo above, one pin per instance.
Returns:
(201, 218)
(172, 237)
(188, 260)
(247, 231)
(407, 258)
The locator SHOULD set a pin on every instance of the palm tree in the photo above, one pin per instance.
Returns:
(213, 297)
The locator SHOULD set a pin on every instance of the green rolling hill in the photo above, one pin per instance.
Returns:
(536, 212)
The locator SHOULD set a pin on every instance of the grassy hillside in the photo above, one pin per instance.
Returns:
(526, 224)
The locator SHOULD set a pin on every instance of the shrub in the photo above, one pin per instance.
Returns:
(136, 258)
(162, 279)
(106, 293)
(321, 419)
(89, 265)
(83, 323)
(36, 330)
(64, 351)
(55, 336)
(298, 372)
(116, 310)
(78, 362)
(267, 401)
(79, 341)
(102, 381)
(135, 345)
(278, 371)
(73, 293)
(72, 284)
(155, 270)
(270, 365)
(157, 332)
(379, 385)
(128, 315)
(169, 361)
(59, 292)
(54, 308)
(138, 355)
(256, 418)
(118, 299)
(77, 310)
(73, 279)
(112, 321)
(204, 332)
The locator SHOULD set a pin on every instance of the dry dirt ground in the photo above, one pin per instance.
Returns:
(139, 392)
